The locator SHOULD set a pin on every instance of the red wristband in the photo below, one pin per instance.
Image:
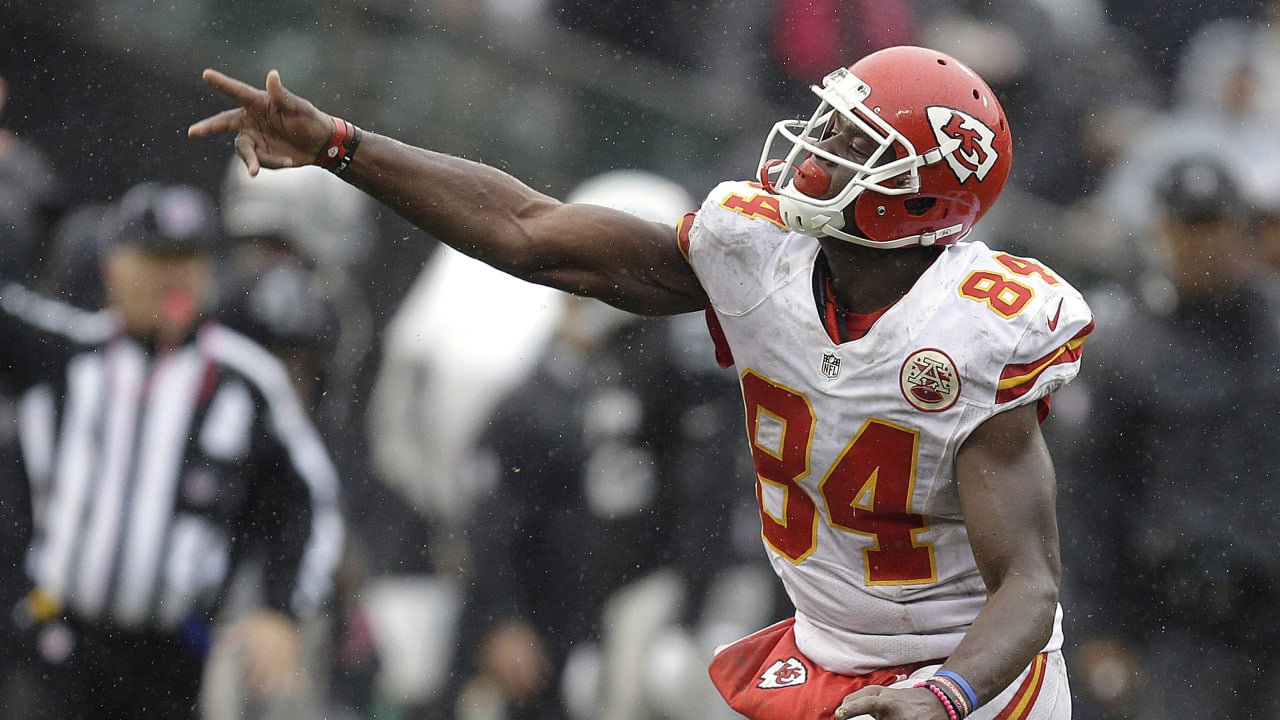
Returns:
(336, 155)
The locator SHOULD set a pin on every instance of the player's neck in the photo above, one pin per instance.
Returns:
(867, 279)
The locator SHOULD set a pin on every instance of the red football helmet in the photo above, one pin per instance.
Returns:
(941, 158)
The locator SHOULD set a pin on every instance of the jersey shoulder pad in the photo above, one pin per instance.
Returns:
(738, 212)
(733, 242)
(1044, 318)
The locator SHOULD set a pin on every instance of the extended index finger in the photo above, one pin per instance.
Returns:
(241, 92)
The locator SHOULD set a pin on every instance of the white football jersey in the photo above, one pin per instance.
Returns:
(855, 443)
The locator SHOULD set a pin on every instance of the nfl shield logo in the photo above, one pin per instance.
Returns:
(830, 365)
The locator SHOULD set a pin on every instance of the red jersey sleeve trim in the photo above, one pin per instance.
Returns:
(1017, 380)
(724, 354)
(1024, 700)
(682, 233)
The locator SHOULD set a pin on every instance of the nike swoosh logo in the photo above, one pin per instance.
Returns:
(1053, 321)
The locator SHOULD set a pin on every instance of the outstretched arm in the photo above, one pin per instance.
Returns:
(479, 210)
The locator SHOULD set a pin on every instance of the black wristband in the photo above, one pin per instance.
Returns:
(954, 694)
(336, 155)
(350, 152)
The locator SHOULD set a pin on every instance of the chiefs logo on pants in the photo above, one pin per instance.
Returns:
(764, 676)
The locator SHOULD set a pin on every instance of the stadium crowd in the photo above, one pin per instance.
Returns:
(1147, 171)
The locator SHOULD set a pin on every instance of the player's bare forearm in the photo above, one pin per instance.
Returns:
(1008, 633)
(477, 209)
(1015, 624)
(490, 215)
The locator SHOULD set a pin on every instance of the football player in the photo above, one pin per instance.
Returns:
(894, 375)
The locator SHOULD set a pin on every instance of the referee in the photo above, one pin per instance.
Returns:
(163, 450)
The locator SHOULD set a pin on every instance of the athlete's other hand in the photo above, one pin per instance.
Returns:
(274, 128)
(883, 703)
(270, 650)
(514, 655)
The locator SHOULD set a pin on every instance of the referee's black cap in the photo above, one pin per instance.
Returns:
(161, 218)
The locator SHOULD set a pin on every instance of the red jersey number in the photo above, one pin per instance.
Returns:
(761, 205)
(1001, 293)
(866, 491)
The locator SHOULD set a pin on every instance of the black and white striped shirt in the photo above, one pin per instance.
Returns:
(154, 474)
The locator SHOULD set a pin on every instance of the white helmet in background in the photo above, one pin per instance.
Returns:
(323, 218)
(639, 192)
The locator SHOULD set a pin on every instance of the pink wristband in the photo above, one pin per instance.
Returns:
(942, 698)
(956, 694)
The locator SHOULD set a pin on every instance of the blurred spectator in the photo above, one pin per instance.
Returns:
(617, 545)
(1053, 72)
(809, 38)
(30, 199)
(616, 512)
(70, 270)
(453, 352)
(1229, 66)
(1220, 110)
(1230, 74)
(290, 280)
(1168, 496)
(574, 511)
(448, 353)
(165, 454)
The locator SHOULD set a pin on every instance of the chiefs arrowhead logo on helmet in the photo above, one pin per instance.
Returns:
(976, 154)
(916, 107)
